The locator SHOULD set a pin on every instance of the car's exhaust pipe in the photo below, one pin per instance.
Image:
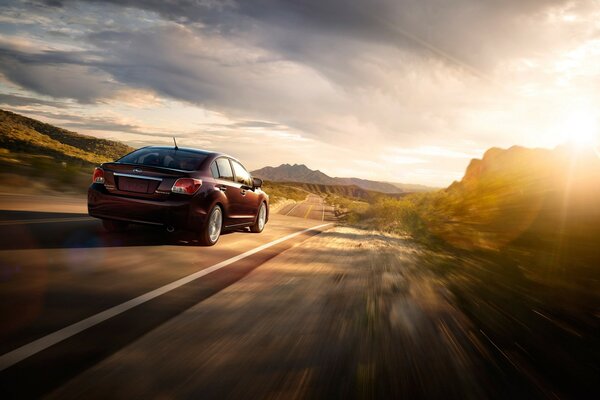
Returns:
(170, 228)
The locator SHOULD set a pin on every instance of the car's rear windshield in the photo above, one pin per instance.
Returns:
(168, 158)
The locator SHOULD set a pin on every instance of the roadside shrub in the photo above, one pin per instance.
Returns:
(394, 215)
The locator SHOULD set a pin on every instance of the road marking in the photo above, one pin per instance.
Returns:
(45, 220)
(309, 210)
(13, 357)
(293, 208)
(323, 209)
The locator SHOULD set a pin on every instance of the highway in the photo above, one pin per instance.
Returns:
(60, 268)
(313, 207)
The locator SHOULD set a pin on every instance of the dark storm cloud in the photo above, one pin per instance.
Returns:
(60, 74)
(78, 121)
(470, 34)
(176, 62)
(12, 53)
(102, 125)
(16, 100)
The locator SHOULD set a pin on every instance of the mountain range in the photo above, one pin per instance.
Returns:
(302, 174)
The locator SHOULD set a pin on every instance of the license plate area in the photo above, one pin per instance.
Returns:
(134, 185)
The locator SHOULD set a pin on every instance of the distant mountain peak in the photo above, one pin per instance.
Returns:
(303, 174)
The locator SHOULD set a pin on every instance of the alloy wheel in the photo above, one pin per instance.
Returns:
(215, 222)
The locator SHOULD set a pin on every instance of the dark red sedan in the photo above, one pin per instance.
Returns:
(179, 188)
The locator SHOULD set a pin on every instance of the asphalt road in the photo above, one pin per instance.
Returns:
(59, 268)
(313, 207)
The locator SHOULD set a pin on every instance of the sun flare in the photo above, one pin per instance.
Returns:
(581, 128)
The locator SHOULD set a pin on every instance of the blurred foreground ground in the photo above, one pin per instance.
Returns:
(346, 314)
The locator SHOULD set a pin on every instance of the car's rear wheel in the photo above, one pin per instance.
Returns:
(114, 226)
(211, 231)
(261, 219)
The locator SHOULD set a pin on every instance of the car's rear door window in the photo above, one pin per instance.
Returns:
(214, 170)
(224, 167)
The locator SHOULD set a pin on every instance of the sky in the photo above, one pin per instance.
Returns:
(391, 90)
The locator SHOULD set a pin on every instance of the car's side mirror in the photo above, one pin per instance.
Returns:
(257, 182)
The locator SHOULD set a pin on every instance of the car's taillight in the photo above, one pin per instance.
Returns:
(98, 176)
(186, 185)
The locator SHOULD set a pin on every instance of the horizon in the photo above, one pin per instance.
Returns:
(399, 92)
(340, 177)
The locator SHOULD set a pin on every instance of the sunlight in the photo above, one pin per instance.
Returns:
(581, 129)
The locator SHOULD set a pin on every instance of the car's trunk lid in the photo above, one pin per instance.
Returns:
(140, 180)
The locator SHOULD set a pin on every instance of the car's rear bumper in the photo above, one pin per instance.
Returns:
(180, 214)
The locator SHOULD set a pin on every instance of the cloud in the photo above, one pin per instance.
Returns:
(72, 120)
(16, 100)
(468, 34)
(55, 73)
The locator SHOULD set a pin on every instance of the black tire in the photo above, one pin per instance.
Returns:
(207, 234)
(259, 225)
(114, 226)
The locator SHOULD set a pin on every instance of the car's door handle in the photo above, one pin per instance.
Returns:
(222, 188)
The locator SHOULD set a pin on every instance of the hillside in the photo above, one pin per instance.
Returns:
(540, 203)
(348, 191)
(22, 135)
(301, 173)
(523, 195)
(413, 187)
(333, 193)
(58, 160)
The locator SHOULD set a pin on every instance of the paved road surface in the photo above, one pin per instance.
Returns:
(59, 268)
(312, 208)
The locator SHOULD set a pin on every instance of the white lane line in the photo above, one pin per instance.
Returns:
(11, 358)
(45, 220)
(323, 208)
(293, 208)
